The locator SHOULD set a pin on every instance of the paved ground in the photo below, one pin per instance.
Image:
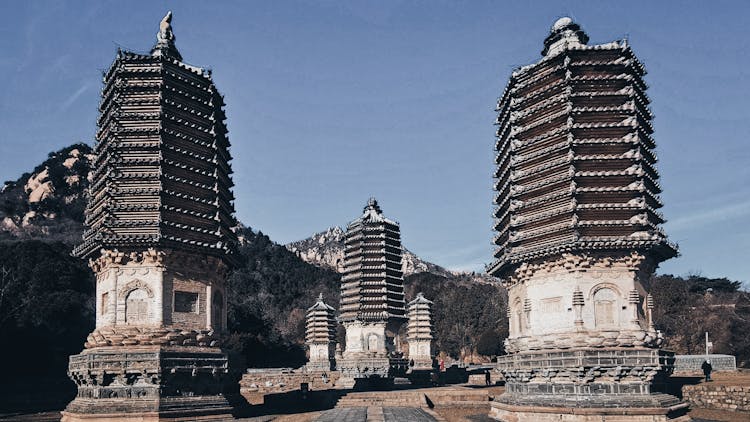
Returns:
(376, 414)
(411, 414)
(344, 414)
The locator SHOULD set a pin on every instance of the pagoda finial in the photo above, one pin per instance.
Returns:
(563, 33)
(372, 205)
(165, 39)
(165, 28)
(320, 297)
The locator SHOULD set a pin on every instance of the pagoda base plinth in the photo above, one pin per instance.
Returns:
(372, 367)
(588, 384)
(149, 383)
(320, 366)
(654, 408)
(421, 363)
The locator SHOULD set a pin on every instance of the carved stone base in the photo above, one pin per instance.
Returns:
(320, 365)
(149, 383)
(590, 384)
(372, 366)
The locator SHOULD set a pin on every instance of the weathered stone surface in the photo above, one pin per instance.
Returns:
(720, 397)
(257, 383)
(692, 363)
(164, 381)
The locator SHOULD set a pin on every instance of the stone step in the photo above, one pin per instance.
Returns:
(388, 398)
(462, 403)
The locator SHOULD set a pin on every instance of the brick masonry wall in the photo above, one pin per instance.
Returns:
(722, 397)
(692, 363)
(255, 385)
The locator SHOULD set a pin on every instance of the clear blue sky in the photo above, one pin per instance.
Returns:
(331, 102)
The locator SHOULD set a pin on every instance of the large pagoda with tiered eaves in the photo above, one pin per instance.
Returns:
(372, 295)
(159, 239)
(578, 234)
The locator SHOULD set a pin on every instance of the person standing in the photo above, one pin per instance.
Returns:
(707, 368)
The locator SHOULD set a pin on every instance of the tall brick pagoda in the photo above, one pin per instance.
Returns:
(578, 236)
(159, 240)
(372, 296)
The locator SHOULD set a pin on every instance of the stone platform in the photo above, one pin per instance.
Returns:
(654, 408)
(149, 383)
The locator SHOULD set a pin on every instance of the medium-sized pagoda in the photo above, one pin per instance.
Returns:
(419, 332)
(372, 295)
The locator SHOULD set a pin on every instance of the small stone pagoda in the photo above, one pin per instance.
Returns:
(372, 296)
(419, 332)
(160, 243)
(320, 336)
(578, 236)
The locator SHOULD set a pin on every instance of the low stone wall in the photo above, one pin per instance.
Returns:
(721, 397)
(692, 363)
(257, 383)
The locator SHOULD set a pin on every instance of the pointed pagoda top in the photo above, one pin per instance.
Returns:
(564, 32)
(372, 205)
(372, 214)
(420, 299)
(165, 40)
(320, 305)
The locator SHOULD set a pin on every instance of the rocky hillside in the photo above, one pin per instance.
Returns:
(48, 203)
(326, 249)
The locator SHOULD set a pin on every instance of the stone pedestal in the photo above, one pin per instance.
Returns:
(154, 354)
(321, 357)
(583, 345)
(149, 383)
(369, 351)
(615, 384)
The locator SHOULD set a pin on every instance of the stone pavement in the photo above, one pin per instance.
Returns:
(376, 414)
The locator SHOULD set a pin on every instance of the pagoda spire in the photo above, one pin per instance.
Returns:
(165, 40)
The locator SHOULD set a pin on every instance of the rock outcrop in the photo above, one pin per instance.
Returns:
(48, 202)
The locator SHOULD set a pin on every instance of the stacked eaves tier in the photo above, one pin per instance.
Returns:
(320, 323)
(372, 285)
(575, 156)
(162, 173)
(420, 319)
